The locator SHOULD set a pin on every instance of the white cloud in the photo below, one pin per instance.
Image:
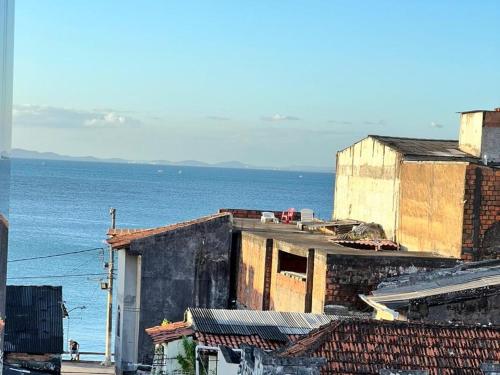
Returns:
(30, 115)
(279, 118)
(436, 125)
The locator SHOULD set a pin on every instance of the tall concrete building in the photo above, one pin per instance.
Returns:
(6, 67)
(429, 195)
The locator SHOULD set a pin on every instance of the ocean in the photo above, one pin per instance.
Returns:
(62, 206)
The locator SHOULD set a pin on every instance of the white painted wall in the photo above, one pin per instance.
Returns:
(471, 133)
(128, 304)
(480, 134)
(165, 360)
(226, 368)
(367, 184)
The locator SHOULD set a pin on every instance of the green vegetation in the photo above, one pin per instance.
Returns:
(188, 360)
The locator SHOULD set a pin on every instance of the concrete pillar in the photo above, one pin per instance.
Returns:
(6, 66)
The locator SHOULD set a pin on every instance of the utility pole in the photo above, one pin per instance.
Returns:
(109, 314)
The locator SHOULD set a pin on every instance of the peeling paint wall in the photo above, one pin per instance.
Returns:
(431, 207)
(367, 184)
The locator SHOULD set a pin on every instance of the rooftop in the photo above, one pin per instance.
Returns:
(121, 238)
(463, 278)
(265, 329)
(426, 149)
(366, 347)
(292, 235)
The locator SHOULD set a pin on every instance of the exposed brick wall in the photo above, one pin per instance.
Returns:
(348, 276)
(481, 209)
(481, 306)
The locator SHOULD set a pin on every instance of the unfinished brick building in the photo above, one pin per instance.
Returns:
(429, 195)
(279, 267)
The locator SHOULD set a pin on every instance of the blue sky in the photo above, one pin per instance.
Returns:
(265, 82)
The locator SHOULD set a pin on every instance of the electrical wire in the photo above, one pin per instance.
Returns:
(55, 255)
(56, 276)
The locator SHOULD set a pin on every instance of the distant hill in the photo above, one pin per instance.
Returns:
(18, 153)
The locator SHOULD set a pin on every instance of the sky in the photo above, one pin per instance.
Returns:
(270, 83)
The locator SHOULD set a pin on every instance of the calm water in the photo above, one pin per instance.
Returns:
(63, 206)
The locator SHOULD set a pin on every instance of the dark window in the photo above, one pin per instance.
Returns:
(292, 265)
(118, 319)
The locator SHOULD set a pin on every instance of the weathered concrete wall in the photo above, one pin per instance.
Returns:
(471, 132)
(319, 282)
(252, 271)
(480, 134)
(481, 212)
(128, 309)
(186, 267)
(288, 293)
(431, 207)
(256, 361)
(478, 306)
(348, 276)
(367, 184)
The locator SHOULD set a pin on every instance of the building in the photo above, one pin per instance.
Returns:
(429, 195)
(376, 347)
(163, 271)
(34, 328)
(6, 68)
(280, 267)
(220, 334)
(469, 292)
(255, 361)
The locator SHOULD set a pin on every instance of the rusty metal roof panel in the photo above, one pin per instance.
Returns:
(34, 319)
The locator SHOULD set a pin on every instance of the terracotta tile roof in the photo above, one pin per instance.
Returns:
(169, 332)
(235, 341)
(366, 347)
(121, 238)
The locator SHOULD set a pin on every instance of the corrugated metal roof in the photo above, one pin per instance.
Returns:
(34, 319)
(438, 282)
(426, 149)
(270, 325)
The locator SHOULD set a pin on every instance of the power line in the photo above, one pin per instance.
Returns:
(56, 255)
(56, 276)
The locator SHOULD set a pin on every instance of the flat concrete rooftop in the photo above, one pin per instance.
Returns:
(293, 236)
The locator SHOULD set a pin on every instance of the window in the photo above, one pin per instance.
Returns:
(292, 265)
